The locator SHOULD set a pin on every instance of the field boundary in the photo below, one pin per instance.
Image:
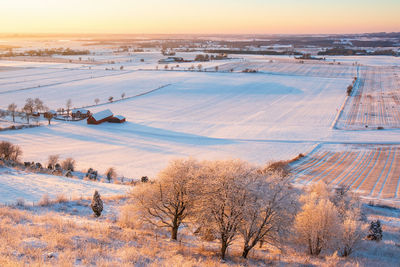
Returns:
(345, 102)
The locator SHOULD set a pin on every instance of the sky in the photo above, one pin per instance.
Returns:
(199, 17)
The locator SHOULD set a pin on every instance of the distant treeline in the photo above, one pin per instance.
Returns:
(338, 51)
(47, 52)
(266, 52)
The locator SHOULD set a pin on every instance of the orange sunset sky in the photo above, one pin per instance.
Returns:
(187, 16)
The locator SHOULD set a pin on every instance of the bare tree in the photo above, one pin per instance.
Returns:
(223, 196)
(110, 99)
(49, 116)
(123, 95)
(68, 105)
(28, 108)
(38, 105)
(269, 210)
(111, 174)
(97, 101)
(12, 108)
(168, 202)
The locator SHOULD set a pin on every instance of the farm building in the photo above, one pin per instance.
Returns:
(117, 119)
(100, 117)
(80, 113)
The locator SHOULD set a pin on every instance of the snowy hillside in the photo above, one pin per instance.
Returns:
(31, 187)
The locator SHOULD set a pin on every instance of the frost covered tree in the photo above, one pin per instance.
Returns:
(168, 202)
(222, 198)
(351, 234)
(329, 219)
(12, 108)
(317, 224)
(97, 204)
(269, 210)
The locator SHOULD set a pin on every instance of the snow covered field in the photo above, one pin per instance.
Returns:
(31, 187)
(286, 109)
(257, 117)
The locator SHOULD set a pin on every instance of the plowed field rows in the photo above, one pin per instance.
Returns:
(371, 170)
(375, 101)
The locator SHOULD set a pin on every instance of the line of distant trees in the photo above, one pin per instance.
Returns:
(340, 51)
(47, 52)
(250, 52)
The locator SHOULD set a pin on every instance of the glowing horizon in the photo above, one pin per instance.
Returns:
(194, 17)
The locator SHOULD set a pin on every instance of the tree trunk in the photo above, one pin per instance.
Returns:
(174, 232)
(223, 249)
(310, 247)
(246, 251)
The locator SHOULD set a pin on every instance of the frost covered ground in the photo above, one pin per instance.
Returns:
(30, 187)
(66, 233)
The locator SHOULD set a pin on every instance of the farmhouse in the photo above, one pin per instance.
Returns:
(117, 119)
(80, 113)
(100, 117)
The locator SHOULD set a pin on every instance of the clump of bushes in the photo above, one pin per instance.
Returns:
(250, 70)
(10, 152)
(349, 89)
(68, 164)
(91, 174)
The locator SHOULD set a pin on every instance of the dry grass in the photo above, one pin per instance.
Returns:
(50, 238)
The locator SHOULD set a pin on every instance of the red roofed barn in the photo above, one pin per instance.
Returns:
(100, 117)
(117, 119)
